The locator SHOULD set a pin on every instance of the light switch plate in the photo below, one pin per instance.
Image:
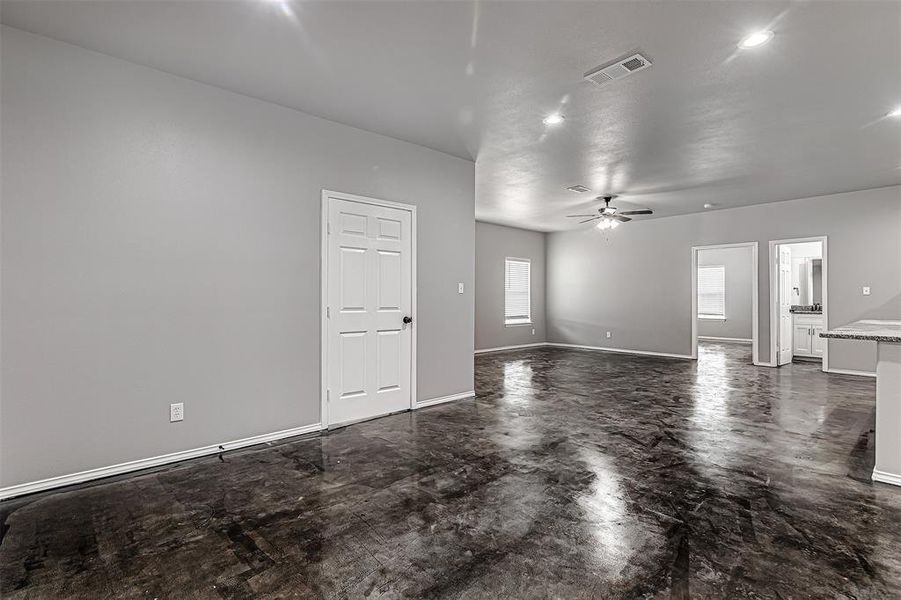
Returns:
(459, 288)
(176, 412)
(866, 290)
(609, 334)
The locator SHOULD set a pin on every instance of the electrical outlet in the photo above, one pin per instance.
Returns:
(533, 331)
(459, 288)
(866, 290)
(609, 335)
(176, 412)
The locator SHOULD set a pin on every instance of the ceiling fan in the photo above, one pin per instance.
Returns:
(610, 217)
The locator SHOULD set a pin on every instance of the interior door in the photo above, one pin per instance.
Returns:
(785, 304)
(369, 299)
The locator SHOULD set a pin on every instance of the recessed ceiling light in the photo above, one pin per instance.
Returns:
(553, 119)
(896, 112)
(756, 39)
(579, 189)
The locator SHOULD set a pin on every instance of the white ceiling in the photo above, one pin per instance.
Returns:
(801, 116)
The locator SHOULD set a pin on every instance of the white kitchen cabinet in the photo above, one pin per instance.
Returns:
(806, 340)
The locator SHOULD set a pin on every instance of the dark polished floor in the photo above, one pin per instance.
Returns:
(573, 475)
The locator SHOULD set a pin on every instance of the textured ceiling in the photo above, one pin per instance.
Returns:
(801, 116)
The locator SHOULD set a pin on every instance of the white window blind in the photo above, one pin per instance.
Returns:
(517, 298)
(712, 292)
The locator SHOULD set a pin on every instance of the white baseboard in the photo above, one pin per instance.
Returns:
(883, 477)
(443, 399)
(502, 348)
(581, 347)
(620, 350)
(145, 463)
(852, 372)
(710, 338)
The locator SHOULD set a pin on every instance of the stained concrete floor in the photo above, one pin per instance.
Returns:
(573, 474)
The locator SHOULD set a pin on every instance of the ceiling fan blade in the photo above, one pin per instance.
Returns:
(587, 220)
(645, 211)
(621, 218)
(581, 216)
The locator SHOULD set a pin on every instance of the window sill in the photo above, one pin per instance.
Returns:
(711, 318)
(518, 324)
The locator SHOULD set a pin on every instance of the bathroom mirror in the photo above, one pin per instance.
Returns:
(807, 281)
(816, 280)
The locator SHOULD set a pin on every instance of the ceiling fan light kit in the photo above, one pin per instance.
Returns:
(609, 217)
(607, 223)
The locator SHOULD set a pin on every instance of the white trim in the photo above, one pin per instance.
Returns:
(755, 292)
(711, 338)
(501, 348)
(852, 372)
(155, 461)
(883, 477)
(774, 294)
(721, 246)
(323, 309)
(619, 350)
(323, 285)
(583, 347)
(443, 399)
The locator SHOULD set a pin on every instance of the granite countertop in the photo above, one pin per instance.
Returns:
(871, 330)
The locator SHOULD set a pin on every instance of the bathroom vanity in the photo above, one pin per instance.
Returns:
(807, 325)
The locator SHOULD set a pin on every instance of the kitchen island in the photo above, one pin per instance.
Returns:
(887, 335)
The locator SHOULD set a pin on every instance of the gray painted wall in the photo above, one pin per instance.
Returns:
(739, 265)
(638, 284)
(494, 243)
(160, 243)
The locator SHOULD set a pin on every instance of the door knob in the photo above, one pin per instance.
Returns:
(408, 320)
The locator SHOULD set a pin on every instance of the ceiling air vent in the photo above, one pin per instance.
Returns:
(579, 189)
(617, 69)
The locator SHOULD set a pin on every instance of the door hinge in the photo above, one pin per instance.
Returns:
(328, 395)
(328, 228)
(328, 312)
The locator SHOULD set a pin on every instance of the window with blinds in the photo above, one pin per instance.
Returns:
(712, 292)
(517, 297)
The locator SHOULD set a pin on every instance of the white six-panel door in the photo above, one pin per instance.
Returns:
(369, 293)
(785, 302)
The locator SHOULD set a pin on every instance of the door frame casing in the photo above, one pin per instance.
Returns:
(755, 333)
(323, 284)
(774, 294)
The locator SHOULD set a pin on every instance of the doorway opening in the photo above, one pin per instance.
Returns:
(724, 296)
(798, 301)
